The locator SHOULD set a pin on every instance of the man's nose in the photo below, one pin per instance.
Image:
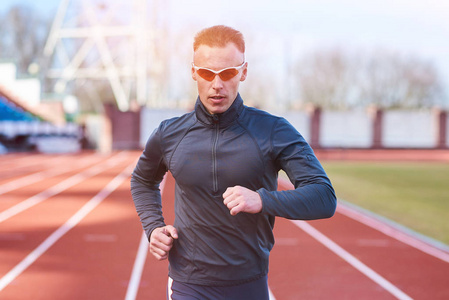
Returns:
(217, 83)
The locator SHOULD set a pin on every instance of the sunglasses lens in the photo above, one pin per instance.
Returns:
(224, 75)
(228, 74)
(206, 74)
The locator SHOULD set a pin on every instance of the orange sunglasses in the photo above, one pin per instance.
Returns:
(225, 74)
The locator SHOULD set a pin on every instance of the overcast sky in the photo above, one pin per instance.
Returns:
(413, 27)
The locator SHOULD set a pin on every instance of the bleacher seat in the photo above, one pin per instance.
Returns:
(10, 112)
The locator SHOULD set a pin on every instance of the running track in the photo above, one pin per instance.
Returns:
(68, 230)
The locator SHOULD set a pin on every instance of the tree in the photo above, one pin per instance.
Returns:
(23, 35)
(325, 79)
(395, 81)
(337, 79)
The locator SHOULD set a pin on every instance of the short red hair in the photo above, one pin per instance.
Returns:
(219, 36)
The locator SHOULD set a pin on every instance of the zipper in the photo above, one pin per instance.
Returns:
(214, 155)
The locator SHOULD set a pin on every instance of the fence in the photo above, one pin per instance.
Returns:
(371, 128)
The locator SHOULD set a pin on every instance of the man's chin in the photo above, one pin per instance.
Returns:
(217, 109)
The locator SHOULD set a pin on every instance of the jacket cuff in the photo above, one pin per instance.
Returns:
(264, 197)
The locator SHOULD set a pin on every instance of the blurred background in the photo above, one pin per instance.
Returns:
(102, 74)
(365, 82)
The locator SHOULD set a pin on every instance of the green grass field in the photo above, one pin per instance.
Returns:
(413, 194)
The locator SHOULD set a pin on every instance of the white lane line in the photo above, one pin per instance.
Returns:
(39, 176)
(25, 160)
(60, 187)
(270, 295)
(390, 231)
(396, 232)
(61, 231)
(136, 275)
(169, 288)
(349, 258)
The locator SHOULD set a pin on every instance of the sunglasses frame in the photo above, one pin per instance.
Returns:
(218, 72)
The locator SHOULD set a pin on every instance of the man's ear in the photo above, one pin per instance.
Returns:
(244, 72)
(193, 74)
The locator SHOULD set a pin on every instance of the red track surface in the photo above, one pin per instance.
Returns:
(78, 237)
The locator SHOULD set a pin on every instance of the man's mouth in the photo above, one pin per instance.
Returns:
(217, 97)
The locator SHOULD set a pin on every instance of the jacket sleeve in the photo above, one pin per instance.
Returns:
(313, 196)
(145, 181)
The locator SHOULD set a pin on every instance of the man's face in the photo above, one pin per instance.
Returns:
(218, 95)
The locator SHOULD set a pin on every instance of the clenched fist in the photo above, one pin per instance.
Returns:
(240, 199)
(161, 241)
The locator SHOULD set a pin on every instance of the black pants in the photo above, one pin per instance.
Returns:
(254, 290)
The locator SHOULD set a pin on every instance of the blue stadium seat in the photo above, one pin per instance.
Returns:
(10, 112)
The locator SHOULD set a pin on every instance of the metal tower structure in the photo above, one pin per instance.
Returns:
(101, 40)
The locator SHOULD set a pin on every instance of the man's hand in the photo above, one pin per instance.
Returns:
(161, 241)
(240, 199)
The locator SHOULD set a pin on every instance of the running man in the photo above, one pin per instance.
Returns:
(225, 158)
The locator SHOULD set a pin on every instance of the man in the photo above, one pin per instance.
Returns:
(225, 159)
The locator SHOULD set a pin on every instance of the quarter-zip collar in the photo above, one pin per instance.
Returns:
(223, 119)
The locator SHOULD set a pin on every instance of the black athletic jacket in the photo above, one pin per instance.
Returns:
(207, 154)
